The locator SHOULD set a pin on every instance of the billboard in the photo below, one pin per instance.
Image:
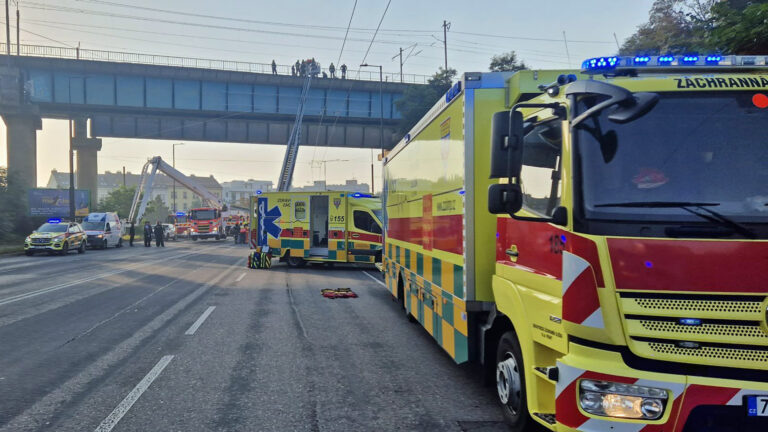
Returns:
(55, 202)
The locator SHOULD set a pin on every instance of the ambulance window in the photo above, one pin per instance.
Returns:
(364, 221)
(540, 174)
(300, 210)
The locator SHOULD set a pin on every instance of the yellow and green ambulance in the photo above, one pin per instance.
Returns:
(330, 226)
(598, 241)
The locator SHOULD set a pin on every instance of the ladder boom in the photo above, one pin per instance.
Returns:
(294, 141)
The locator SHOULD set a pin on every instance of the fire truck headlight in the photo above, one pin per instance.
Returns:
(611, 399)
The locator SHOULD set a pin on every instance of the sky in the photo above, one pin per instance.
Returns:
(260, 31)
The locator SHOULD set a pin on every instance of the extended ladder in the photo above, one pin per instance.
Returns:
(292, 150)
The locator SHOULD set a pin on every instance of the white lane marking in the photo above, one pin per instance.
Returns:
(133, 396)
(196, 325)
(376, 280)
(239, 278)
(31, 294)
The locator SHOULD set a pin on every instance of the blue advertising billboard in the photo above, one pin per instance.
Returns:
(55, 202)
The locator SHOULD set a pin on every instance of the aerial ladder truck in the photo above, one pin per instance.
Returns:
(206, 221)
(294, 140)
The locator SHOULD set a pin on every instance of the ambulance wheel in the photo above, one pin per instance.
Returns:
(81, 249)
(64, 248)
(510, 383)
(296, 262)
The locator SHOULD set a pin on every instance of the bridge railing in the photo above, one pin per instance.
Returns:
(200, 63)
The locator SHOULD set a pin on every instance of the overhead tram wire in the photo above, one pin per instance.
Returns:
(249, 21)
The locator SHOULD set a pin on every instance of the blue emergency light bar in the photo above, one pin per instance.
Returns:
(693, 61)
(180, 214)
(360, 195)
(54, 220)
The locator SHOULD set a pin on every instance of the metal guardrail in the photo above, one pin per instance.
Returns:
(162, 60)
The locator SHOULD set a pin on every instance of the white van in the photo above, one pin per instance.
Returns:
(103, 230)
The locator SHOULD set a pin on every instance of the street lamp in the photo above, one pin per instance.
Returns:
(381, 114)
(174, 181)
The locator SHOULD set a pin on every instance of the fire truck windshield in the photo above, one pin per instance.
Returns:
(701, 148)
(202, 214)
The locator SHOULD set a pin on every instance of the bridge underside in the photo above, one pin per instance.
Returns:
(316, 131)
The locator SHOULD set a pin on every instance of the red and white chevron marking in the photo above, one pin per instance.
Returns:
(581, 304)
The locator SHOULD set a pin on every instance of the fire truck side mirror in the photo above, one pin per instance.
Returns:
(507, 131)
(504, 198)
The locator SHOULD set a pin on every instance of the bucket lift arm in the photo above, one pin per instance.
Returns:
(147, 179)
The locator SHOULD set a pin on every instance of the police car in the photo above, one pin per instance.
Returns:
(56, 236)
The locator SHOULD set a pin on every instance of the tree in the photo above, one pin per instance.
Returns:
(674, 27)
(506, 62)
(119, 200)
(740, 27)
(156, 211)
(417, 100)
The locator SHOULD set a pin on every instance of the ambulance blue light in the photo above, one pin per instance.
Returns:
(259, 192)
(689, 321)
(54, 220)
(641, 60)
(690, 59)
(714, 59)
(360, 195)
(462, 192)
(179, 214)
(666, 60)
(600, 63)
(563, 238)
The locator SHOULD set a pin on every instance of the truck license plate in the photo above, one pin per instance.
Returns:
(757, 406)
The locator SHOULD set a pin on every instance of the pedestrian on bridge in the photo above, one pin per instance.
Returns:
(159, 235)
(274, 67)
(293, 70)
(343, 71)
(131, 234)
(147, 234)
(332, 70)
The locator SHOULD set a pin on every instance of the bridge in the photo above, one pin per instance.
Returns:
(128, 95)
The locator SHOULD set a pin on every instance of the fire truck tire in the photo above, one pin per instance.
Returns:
(81, 249)
(296, 262)
(194, 238)
(510, 383)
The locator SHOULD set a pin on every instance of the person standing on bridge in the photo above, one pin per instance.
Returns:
(274, 67)
(293, 70)
(131, 234)
(159, 235)
(343, 71)
(147, 234)
(298, 68)
(332, 70)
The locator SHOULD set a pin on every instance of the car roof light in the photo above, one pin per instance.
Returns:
(54, 220)
(690, 59)
(598, 65)
(713, 59)
(665, 60)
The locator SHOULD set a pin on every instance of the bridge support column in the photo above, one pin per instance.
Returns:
(87, 166)
(21, 139)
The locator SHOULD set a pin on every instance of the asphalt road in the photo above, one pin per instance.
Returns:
(186, 338)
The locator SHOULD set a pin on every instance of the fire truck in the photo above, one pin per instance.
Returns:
(204, 222)
(597, 241)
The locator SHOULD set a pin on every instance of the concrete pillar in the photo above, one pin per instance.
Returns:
(21, 139)
(87, 167)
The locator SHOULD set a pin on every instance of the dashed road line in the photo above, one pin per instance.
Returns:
(239, 278)
(114, 417)
(375, 280)
(196, 325)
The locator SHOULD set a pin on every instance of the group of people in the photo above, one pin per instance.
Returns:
(307, 67)
(149, 231)
(239, 232)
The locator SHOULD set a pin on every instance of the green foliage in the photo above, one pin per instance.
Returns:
(156, 211)
(506, 62)
(15, 223)
(685, 26)
(740, 31)
(417, 100)
(119, 200)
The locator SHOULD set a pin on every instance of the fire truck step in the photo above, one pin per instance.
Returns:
(549, 373)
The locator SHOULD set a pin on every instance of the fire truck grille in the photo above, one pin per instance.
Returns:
(203, 228)
(714, 330)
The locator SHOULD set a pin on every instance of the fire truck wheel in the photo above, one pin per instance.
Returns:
(296, 262)
(194, 238)
(510, 383)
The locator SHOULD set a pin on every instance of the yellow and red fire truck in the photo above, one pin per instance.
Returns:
(597, 240)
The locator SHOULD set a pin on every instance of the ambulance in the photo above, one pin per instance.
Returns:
(597, 240)
(330, 227)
